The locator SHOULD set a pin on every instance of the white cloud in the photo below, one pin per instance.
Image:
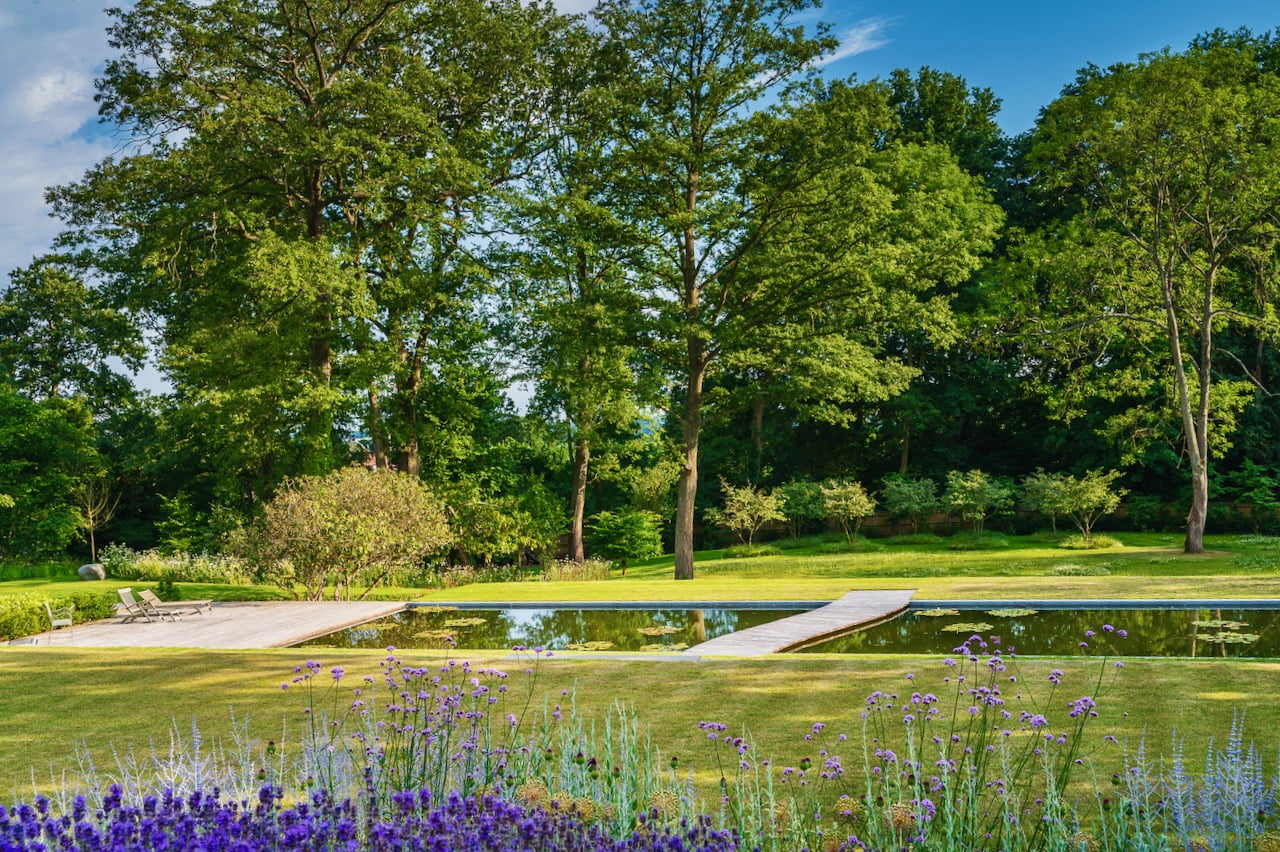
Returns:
(861, 37)
(52, 50)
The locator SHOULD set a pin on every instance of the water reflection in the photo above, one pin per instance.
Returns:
(577, 629)
(1151, 632)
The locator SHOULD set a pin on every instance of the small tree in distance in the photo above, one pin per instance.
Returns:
(848, 503)
(746, 510)
(1047, 494)
(97, 508)
(975, 496)
(801, 502)
(909, 499)
(1089, 497)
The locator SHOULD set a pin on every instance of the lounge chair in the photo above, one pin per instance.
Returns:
(133, 610)
(150, 601)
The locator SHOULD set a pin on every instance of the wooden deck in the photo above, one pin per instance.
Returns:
(853, 610)
(251, 624)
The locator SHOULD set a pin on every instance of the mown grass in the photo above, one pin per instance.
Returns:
(52, 699)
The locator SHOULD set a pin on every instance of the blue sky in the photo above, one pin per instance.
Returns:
(1024, 51)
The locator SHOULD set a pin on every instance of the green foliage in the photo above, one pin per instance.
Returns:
(975, 496)
(45, 450)
(59, 338)
(506, 525)
(24, 614)
(1088, 497)
(746, 510)
(848, 504)
(352, 527)
(909, 499)
(1164, 178)
(1045, 494)
(802, 504)
(1083, 499)
(624, 535)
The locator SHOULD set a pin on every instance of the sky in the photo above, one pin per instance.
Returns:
(1025, 51)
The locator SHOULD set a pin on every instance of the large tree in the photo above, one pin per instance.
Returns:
(60, 337)
(295, 212)
(1169, 170)
(763, 220)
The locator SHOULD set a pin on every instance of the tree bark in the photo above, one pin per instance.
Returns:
(578, 499)
(687, 488)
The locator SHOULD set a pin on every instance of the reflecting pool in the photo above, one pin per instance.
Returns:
(661, 630)
(1151, 632)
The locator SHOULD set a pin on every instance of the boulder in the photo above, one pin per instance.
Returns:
(92, 571)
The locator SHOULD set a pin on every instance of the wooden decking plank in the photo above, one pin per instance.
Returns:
(846, 613)
(231, 624)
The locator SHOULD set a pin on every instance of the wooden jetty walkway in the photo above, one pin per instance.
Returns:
(855, 609)
(231, 624)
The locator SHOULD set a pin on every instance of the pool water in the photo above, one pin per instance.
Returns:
(659, 630)
(1151, 632)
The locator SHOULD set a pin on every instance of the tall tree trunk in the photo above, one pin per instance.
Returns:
(687, 488)
(578, 499)
(757, 434)
(904, 455)
(377, 447)
(1195, 428)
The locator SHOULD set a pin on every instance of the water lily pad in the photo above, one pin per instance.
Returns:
(1219, 624)
(936, 612)
(968, 627)
(430, 610)
(464, 622)
(675, 646)
(1011, 612)
(1224, 638)
(602, 645)
(659, 630)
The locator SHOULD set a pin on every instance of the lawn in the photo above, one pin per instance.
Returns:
(54, 699)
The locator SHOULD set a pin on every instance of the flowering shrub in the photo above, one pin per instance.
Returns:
(416, 821)
(568, 570)
(457, 728)
(120, 561)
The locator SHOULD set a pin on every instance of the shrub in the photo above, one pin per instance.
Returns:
(567, 569)
(24, 615)
(352, 527)
(624, 535)
(121, 562)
